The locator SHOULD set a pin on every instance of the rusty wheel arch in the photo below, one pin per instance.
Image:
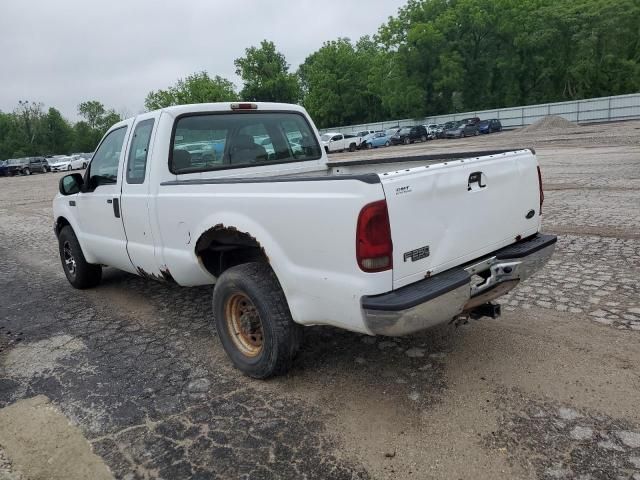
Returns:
(224, 246)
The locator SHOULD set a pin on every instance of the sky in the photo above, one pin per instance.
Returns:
(63, 52)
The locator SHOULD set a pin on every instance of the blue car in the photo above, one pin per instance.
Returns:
(489, 126)
(378, 139)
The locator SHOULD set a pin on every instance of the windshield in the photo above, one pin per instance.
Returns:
(405, 130)
(325, 137)
(484, 123)
(216, 141)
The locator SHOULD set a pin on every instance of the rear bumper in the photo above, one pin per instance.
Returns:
(439, 299)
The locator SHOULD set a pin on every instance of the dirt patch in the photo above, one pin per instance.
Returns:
(30, 359)
(551, 122)
(39, 442)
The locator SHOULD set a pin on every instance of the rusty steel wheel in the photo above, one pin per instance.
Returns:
(244, 324)
(253, 321)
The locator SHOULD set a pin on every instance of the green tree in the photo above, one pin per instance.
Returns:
(85, 138)
(92, 111)
(195, 88)
(335, 82)
(58, 134)
(266, 76)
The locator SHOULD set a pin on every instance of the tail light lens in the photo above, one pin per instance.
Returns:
(540, 188)
(374, 249)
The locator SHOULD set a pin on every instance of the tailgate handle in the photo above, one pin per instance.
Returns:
(475, 177)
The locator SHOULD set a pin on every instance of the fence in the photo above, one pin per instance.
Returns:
(604, 109)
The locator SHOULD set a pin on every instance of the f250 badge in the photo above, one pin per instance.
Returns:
(403, 190)
(417, 254)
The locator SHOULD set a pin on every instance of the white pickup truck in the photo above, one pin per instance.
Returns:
(242, 196)
(338, 142)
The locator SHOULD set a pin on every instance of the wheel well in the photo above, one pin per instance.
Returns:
(223, 247)
(60, 224)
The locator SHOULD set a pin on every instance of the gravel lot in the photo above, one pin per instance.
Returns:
(550, 391)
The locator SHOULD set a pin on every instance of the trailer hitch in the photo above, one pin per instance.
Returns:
(488, 309)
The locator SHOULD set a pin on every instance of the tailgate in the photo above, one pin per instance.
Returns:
(449, 213)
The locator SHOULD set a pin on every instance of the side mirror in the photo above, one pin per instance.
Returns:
(70, 184)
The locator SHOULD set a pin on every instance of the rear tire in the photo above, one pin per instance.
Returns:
(407, 141)
(27, 171)
(80, 273)
(352, 147)
(386, 144)
(253, 321)
(423, 139)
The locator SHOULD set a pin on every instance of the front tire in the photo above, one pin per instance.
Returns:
(407, 141)
(386, 144)
(69, 168)
(253, 321)
(27, 171)
(80, 273)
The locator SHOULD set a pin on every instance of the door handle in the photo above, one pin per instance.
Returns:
(116, 206)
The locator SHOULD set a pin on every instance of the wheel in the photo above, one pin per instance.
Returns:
(352, 147)
(79, 272)
(407, 141)
(477, 133)
(369, 146)
(253, 321)
(386, 144)
(423, 138)
(463, 135)
(69, 168)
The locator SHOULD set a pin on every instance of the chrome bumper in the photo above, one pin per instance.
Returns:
(443, 297)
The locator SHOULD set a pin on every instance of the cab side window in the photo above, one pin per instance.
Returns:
(138, 152)
(103, 169)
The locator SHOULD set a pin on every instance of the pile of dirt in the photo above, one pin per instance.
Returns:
(552, 122)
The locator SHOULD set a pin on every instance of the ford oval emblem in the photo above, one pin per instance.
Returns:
(530, 214)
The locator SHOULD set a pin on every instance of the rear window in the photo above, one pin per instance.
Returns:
(234, 140)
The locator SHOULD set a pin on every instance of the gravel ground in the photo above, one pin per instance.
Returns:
(551, 390)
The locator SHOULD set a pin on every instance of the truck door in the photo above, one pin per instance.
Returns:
(136, 197)
(98, 206)
(337, 143)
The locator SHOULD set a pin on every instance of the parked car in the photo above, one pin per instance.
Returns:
(66, 163)
(4, 169)
(296, 240)
(462, 129)
(407, 135)
(337, 142)
(364, 133)
(377, 139)
(442, 128)
(432, 129)
(490, 126)
(27, 166)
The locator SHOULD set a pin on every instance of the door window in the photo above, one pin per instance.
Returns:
(137, 162)
(104, 165)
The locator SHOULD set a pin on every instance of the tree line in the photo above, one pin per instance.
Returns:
(432, 57)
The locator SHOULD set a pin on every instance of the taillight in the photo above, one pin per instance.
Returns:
(374, 249)
(540, 188)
